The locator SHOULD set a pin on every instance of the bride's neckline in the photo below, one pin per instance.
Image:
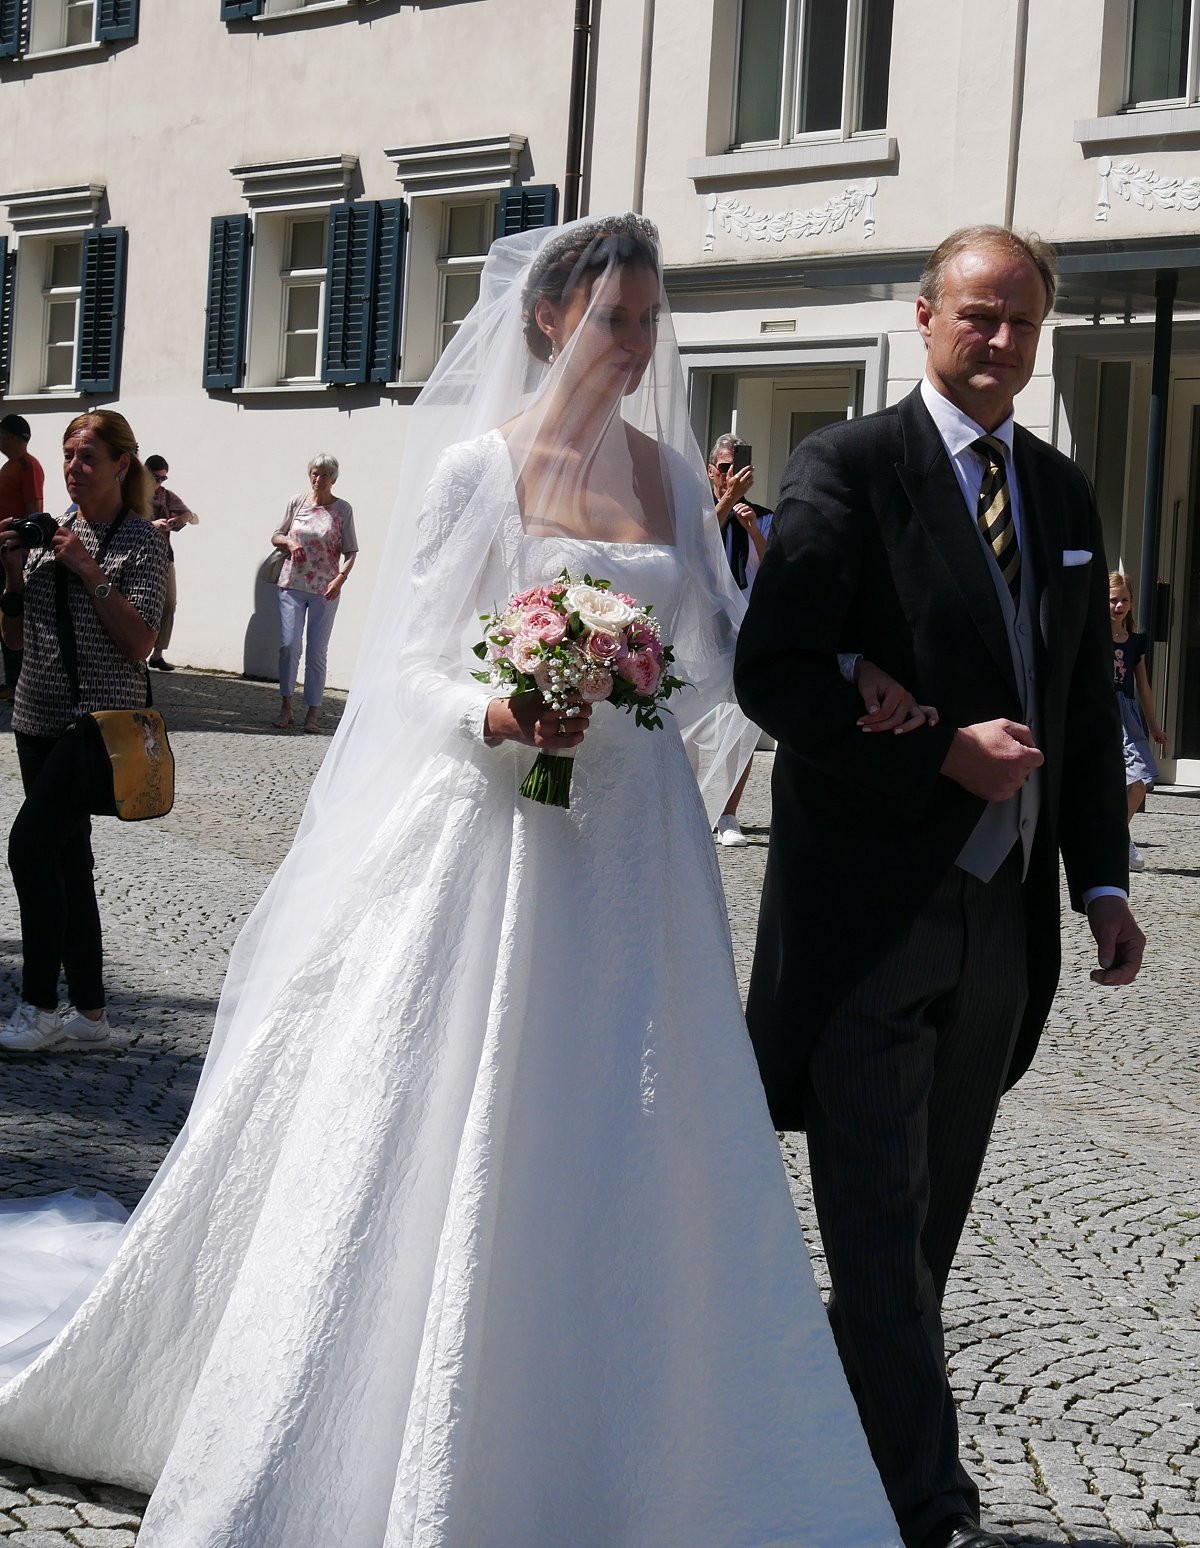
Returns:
(566, 537)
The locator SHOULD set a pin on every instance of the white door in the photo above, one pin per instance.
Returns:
(797, 412)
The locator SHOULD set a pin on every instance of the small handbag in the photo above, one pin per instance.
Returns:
(273, 563)
(132, 742)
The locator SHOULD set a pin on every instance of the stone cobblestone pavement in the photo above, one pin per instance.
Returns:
(1073, 1316)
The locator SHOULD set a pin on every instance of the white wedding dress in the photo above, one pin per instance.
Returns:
(489, 1244)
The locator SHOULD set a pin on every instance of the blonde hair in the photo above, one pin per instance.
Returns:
(1030, 247)
(113, 429)
(1119, 578)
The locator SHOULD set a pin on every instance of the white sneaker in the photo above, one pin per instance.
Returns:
(30, 1030)
(729, 832)
(78, 1032)
(1137, 861)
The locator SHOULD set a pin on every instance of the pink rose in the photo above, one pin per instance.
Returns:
(525, 654)
(541, 676)
(595, 685)
(536, 596)
(602, 646)
(641, 669)
(642, 637)
(544, 625)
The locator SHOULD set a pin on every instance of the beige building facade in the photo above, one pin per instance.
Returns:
(307, 191)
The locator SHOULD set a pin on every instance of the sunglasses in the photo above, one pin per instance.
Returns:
(723, 467)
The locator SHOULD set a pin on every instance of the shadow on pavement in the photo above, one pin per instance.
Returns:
(218, 701)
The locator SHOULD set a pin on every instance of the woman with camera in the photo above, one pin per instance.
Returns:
(104, 567)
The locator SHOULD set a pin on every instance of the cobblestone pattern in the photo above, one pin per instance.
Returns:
(1072, 1316)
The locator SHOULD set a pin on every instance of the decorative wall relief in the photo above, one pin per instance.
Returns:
(750, 225)
(1140, 186)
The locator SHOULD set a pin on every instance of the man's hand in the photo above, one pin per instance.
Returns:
(1119, 942)
(992, 759)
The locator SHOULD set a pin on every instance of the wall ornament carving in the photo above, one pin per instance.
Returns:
(854, 203)
(1140, 186)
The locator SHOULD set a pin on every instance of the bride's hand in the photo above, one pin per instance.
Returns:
(525, 717)
(889, 705)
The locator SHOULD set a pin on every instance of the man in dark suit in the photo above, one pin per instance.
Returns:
(908, 945)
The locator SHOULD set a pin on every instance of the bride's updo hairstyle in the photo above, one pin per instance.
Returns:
(578, 257)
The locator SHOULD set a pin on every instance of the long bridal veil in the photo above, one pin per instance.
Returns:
(580, 423)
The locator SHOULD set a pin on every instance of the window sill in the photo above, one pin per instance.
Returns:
(273, 18)
(58, 54)
(277, 390)
(876, 151)
(1139, 126)
(56, 395)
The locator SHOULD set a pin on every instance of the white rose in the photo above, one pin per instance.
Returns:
(599, 609)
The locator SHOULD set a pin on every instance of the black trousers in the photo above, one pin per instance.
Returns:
(902, 1094)
(50, 857)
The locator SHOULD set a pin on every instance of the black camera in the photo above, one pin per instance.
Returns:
(34, 531)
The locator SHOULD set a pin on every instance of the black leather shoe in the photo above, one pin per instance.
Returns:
(961, 1532)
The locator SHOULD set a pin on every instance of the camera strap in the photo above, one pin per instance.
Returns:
(62, 610)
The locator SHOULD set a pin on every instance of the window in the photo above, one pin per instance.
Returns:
(302, 282)
(466, 236)
(63, 320)
(60, 326)
(811, 67)
(32, 27)
(1162, 52)
(319, 302)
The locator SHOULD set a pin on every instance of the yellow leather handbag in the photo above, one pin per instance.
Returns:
(143, 765)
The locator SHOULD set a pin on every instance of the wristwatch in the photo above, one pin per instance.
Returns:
(102, 590)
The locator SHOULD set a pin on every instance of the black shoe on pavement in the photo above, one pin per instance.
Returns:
(961, 1532)
(160, 665)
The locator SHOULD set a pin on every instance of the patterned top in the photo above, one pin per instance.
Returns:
(326, 533)
(1126, 655)
(136, 564)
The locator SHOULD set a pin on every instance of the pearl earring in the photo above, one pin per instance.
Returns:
(550, 356)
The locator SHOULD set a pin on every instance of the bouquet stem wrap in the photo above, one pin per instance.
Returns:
(549, 780)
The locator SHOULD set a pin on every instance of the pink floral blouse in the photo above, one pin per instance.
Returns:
(326, 532)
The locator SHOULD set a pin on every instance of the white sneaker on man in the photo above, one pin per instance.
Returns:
(31, 1030)
(1137, 860)
(78, 1032)
(729, 832)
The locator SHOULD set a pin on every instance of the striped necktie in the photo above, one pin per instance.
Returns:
(995, 515)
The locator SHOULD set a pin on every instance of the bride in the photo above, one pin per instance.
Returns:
(478, 1235)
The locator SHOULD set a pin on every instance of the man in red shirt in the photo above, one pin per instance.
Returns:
(22, 484)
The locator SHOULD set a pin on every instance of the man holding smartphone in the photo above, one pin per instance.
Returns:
(744, 527)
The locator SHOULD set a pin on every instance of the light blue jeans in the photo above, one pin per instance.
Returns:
(295, 609)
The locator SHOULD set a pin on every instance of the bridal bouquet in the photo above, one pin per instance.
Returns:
(576, 642)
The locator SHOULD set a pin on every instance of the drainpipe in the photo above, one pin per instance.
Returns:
(1156, 444)
(578, 108)
(643, 116)
(1020, 48)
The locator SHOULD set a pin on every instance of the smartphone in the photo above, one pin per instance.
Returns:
(743, 456)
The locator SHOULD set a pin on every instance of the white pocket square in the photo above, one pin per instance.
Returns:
(1074, 556)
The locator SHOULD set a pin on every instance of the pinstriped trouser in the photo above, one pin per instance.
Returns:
(902, 1094)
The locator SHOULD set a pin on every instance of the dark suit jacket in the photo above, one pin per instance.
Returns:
(872, 550)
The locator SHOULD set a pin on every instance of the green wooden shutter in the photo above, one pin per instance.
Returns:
(12, 29)
(7, 286)
(349, 288)
(232, 9)
(228, 287)
(101, 309)
(389, 284)
(116, 19)
(521, 209)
